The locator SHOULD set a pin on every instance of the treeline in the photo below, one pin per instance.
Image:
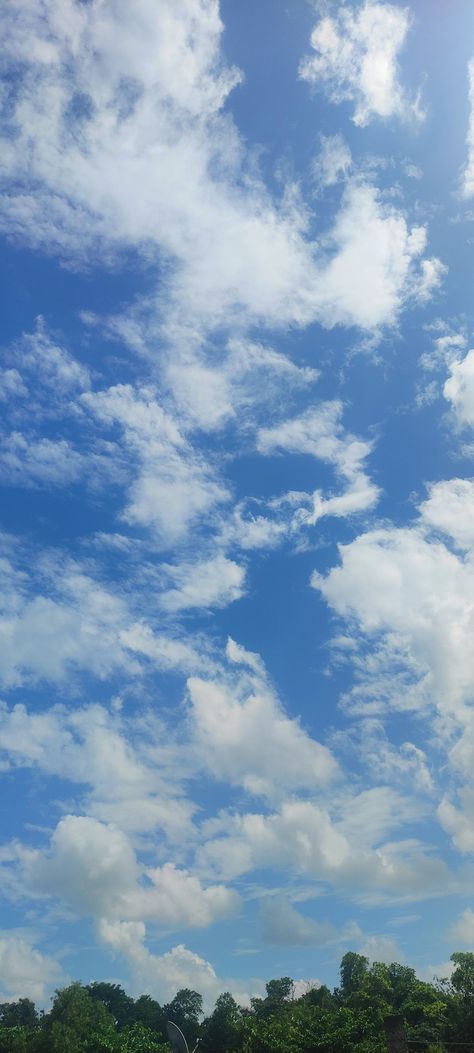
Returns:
(103, 1018)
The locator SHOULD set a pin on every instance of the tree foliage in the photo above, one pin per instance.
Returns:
(103, 1018)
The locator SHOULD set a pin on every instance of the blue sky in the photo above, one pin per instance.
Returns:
(237, 524)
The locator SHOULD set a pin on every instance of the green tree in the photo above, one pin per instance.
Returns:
(118, 1003)
(353, 971)
(222, 1032)
(139, 1039)
(319, 996)
(462, 977)
(460, 1008)
(279, 992)
(149, 1013)
(185, 1011)
(15, 1039)
(18, 1014)
(77, 1023)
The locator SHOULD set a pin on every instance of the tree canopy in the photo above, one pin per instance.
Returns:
(102, 1018)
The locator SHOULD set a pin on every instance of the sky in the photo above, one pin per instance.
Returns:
(237, 526)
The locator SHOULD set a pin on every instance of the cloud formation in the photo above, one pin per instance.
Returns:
(355, 60)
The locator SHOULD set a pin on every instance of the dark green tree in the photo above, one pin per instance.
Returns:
(185, 1011)
(222, 1032)
(118, 1003)
(18, 1014)
(279, 992)
(148, 1012)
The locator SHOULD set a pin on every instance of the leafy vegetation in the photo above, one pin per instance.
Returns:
(103, 1018)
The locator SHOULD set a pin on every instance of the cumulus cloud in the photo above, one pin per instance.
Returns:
(48, 371)
(209, 394)
(174, 487)
(124, 770)
(57, 620)
(164, 974)
(167, 651)
(382, 949)
(244, 737)
(412, 594)
(85, 108)
(373, 268)
(92, 868)
(355, 60)
(406, 595)
(450, 509)
(25, 972)
(347, 851)
(209, 583)
(463, 930)
(459, 389)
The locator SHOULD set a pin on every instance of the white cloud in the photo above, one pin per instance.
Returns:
(333, 162)
(413, 595)
(45, 637)
(86, 108)
(56, 619)
(459, 822)
(252, 531)
(349, 852)
(373, 270)
(244, 737)
(382, 949)
(319, 432)
(174, 487)
(92, 868)
(238, 655)
(43, 362)
(164, 974)
(209, 394)
(431, 274)
(463, 930)
(407, 597)
(125, 770)
(450, 509)
(467, 186)
(301, 987)
(459, 389)
(209, 583)
(25, 972)
(440, 971)
(355, 60)
(41, 461)
(387, 762)
(167, 651)
(11, 385)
